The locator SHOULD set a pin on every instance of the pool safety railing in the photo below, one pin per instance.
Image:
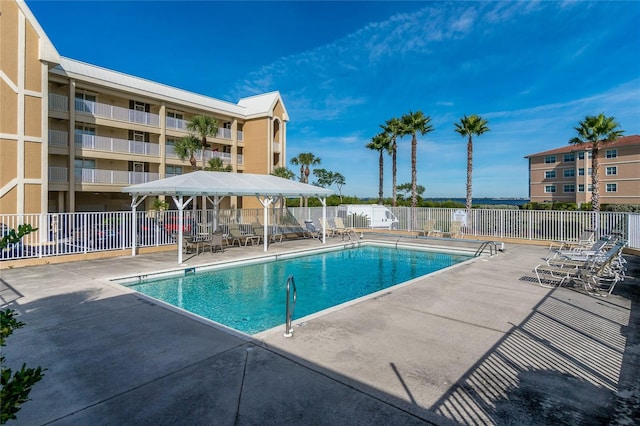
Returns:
(493, 248)
(291, 305)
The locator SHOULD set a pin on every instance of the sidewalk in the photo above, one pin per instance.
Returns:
(478, 343)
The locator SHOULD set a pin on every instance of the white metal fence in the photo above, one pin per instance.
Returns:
(73, 233)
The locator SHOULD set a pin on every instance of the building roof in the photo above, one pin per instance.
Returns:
(621, 142)
(262, 104)
(222, 184)
(259, 105)
(48, 51)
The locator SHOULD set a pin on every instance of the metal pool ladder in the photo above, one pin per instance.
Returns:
(493, 248)
(288, 332)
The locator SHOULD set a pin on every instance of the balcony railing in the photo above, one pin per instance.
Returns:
(58, 102)
(240, 136)
(208, 155)
(240, 159)
(117, 113)
(116, 145)
(58, 174)
(276, 147)
(58, 138)
(116, 177)
(176, 123)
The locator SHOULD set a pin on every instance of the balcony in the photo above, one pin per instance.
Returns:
(116, 145)
(276, 147)
(208, 155)
(59, 138)
(58, 102)
(240, 136)
(176, 123)
(58, 175)
(113, 112)
(116, 177)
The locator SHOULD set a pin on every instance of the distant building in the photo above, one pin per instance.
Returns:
(564, 174)
(72, 135)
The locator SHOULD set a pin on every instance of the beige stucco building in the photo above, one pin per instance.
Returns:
(564, 174)
(72, 135)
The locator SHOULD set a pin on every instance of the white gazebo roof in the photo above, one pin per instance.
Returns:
(201, 183)
(219, 185)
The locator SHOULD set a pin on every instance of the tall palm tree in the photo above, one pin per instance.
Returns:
(305, 159)
(412, 124)
(186, 148)
(381, 143)
(393, 128)
(217, 165)
(596, 130)
(470, 126)
(201, 126)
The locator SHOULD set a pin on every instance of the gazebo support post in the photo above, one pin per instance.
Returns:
(134, 228)
(323, 201)
(265, 205)
(181, 205)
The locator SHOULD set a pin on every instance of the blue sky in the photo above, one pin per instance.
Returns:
(532, 69)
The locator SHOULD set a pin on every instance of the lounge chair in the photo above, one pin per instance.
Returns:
(585, 240)
(188, 243)
(329, 231)
(341, 229)
(603, 270)
(580, 252)
(311, 229)
(242, 239)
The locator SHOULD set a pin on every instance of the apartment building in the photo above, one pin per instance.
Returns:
(564, 174)
(72, 135)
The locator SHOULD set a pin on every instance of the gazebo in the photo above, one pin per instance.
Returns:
(217, 185)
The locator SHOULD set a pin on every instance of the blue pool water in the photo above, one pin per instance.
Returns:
(251, 298)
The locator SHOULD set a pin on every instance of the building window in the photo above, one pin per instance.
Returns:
(569, 173)
(550, 174)
(85, 102)
(581, 187)
(549, 189)
(174, 170)
(81, 164)
(612, 153)
(569, 188)
(550, 159)
(612, 170)
(580, 171)
(590, 187)
(175, 115)
(612, 187)
(590, 170)
(568, 158)
(581, 155)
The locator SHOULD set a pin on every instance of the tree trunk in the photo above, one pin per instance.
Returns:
(595, 178)
(394, 170)
(469, 171)
(381, 180)
(414, 187)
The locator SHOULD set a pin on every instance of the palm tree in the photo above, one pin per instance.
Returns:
(412, 124)
(596, 130)
(201, 126)
(217, 165)
(393, 128)
(305, 159)
(185, 148)
(470, 126)
(283, 172)
(380, 142)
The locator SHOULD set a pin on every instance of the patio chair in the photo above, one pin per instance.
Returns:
(341, 229)
(188, 243)
(217, 241)
(311, 229)
(429, 229)
(455, 230)
(580, 252)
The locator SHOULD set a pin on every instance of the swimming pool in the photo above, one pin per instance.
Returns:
(251, 298)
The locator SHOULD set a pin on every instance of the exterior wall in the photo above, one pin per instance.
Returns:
(626, 178)
(38, 149)
(22, 188)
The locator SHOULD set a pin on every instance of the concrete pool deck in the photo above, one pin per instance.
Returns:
(479, 343)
